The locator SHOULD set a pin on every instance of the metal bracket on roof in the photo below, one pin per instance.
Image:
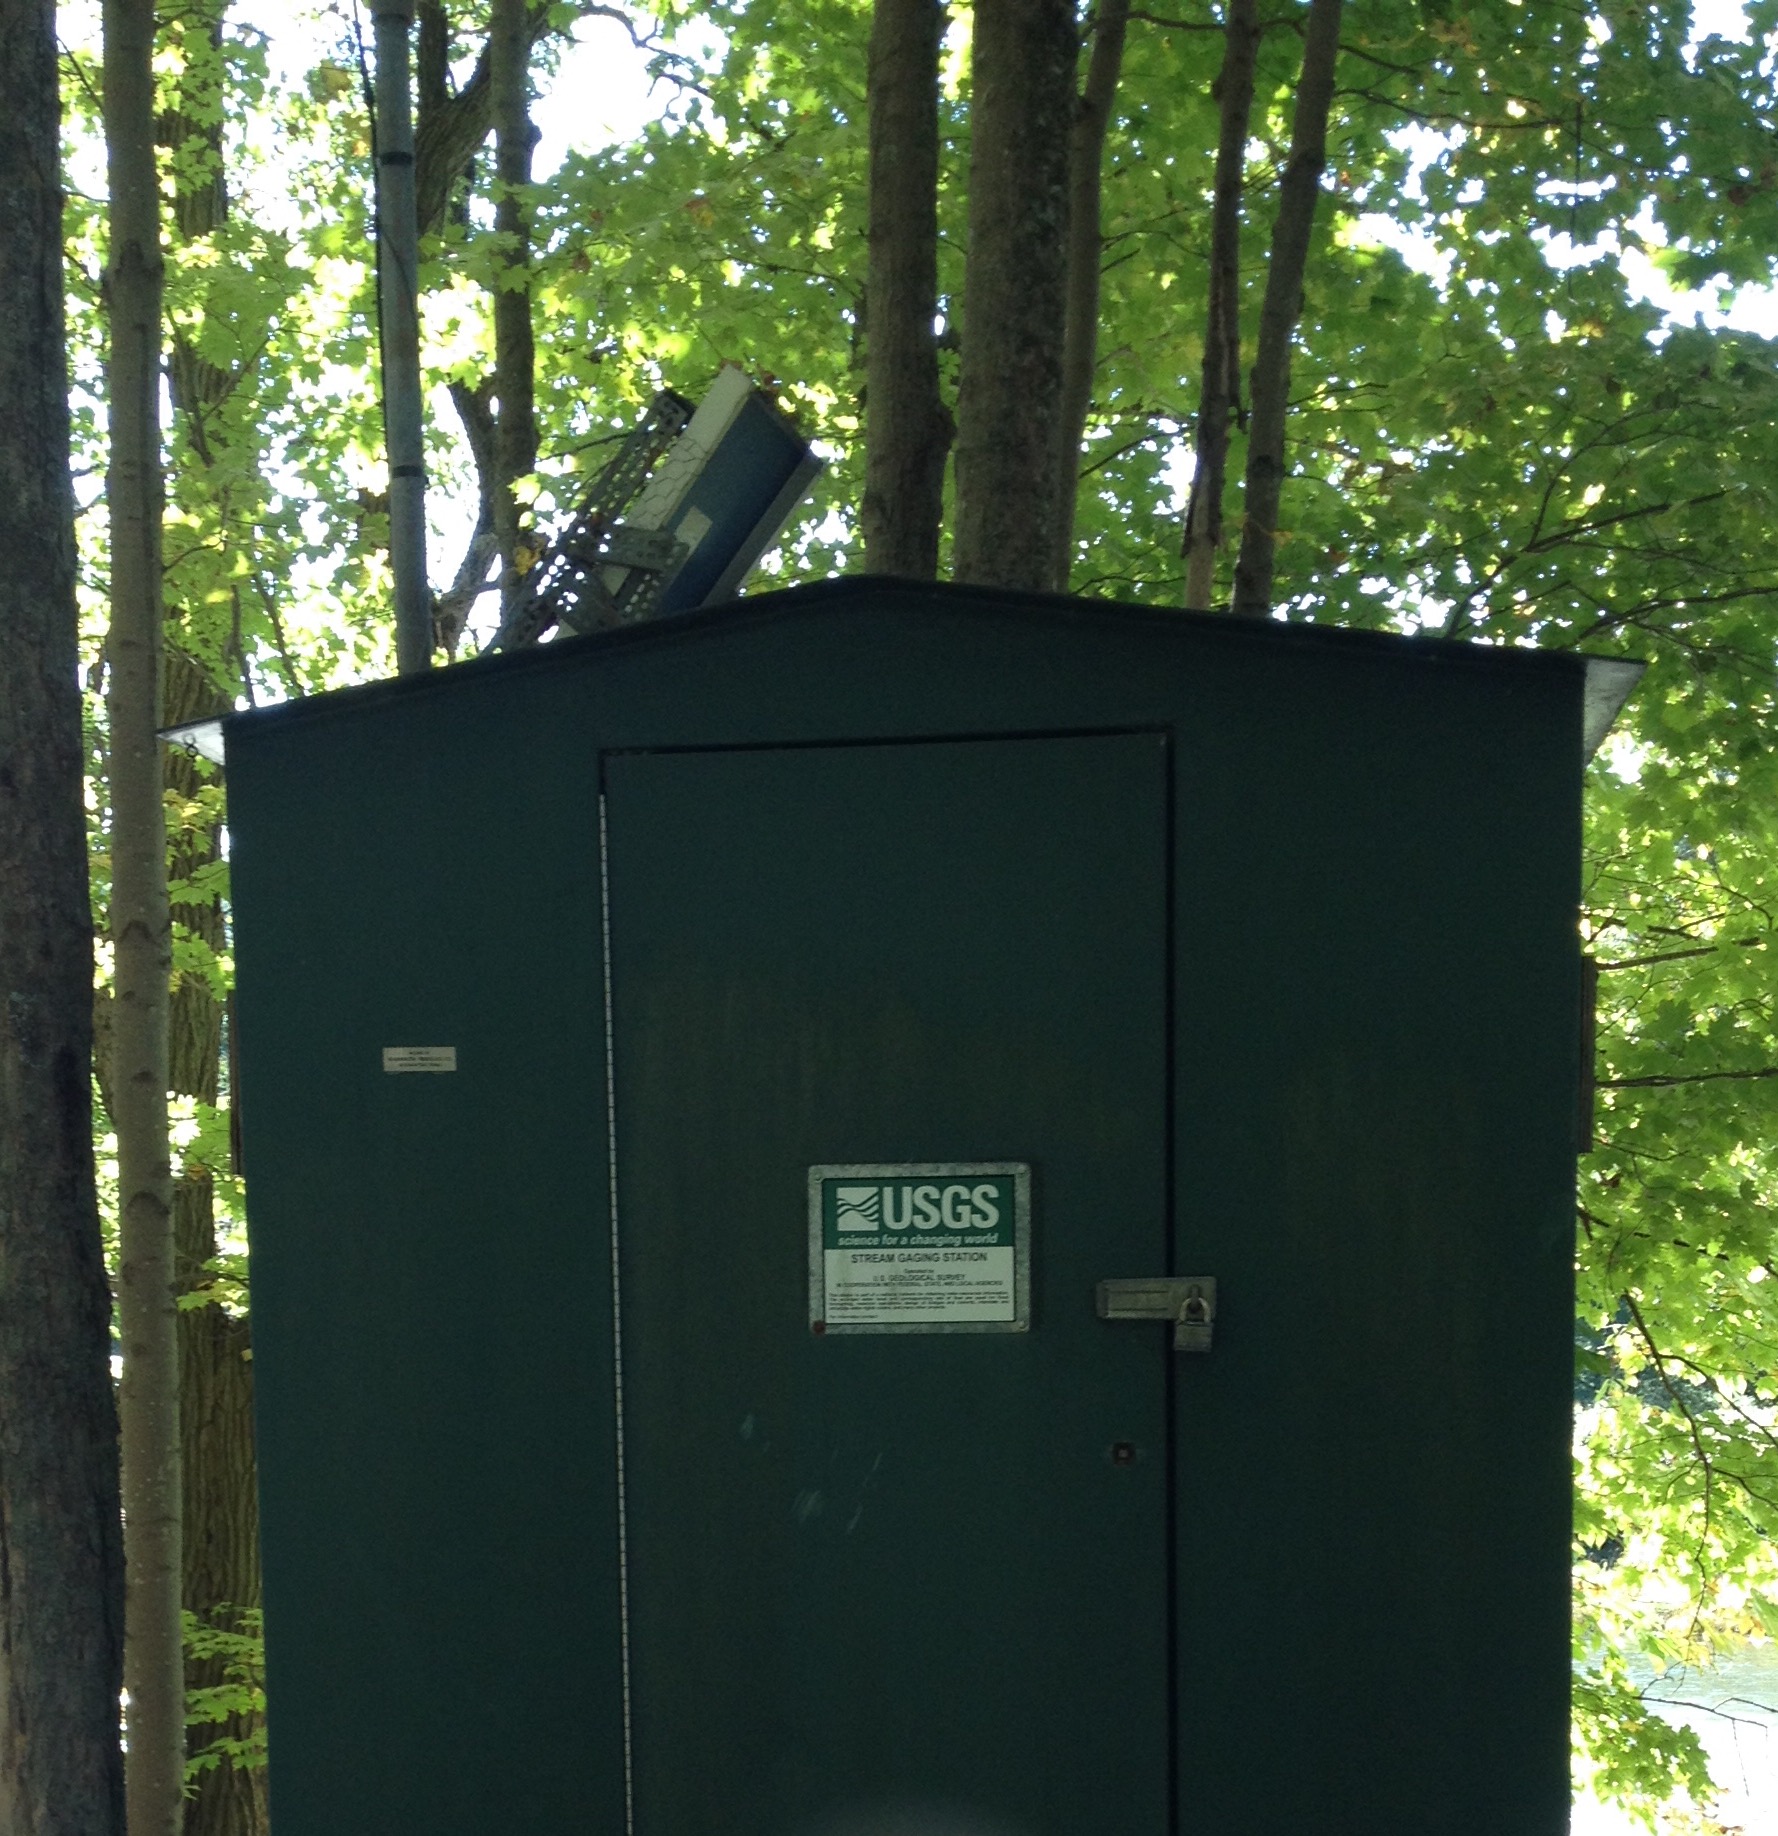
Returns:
(597, 572)
(678, 519)
(201, 738)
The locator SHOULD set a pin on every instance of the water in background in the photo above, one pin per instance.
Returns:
(1733, 1708)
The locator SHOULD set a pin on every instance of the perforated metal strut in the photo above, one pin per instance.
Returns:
(597, 572)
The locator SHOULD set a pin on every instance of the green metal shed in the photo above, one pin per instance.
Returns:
(697, 1083)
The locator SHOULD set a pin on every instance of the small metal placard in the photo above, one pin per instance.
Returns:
(419, 1058)
(928, 1247)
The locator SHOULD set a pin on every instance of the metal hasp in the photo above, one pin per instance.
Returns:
(1189, 1301)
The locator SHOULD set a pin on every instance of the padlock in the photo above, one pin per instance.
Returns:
(1192, 1329)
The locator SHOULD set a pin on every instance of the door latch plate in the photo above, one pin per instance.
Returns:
(1189, 1301)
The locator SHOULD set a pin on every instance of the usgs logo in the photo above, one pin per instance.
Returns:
(903, 1206)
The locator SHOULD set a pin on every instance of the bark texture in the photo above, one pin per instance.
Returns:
(220, 1556)
(907, 427)
(1282, 308)
(515, 432)
(451, 125)
(220, 1538)
(448, 127)
(457, 601)
(1009, 393)
(1086, 250)
(61, 1559)
(1220, 393)
(148, 1395)
(192, 134)
(398, 335)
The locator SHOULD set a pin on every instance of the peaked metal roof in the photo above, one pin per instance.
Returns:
(1609, 681)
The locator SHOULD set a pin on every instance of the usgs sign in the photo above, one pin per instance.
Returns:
(920, 1248)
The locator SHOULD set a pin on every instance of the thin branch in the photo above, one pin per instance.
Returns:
(293, 681)
(1175, 25)
(1117, 452)
(1418, 74)
(1450, 118)
(1694, 1427)
(1285, 21)
(1726, 1397)
(1718, 1709)
(1678, 956)
(78, 65)
(1569, 531)
(1634, 615)
(1691, 1421)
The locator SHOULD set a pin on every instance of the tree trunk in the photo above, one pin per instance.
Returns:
(1009, 393)
(515, 432)
(398, 335)
(61, 1558)
(450, 127)
(221, 1507)
(457, 601)
(1219, 398)
(192, 134)
(907, 428)
(432, 69)
(148, 1396)
(220, 1520)
(1282, 307)
(1086, 249)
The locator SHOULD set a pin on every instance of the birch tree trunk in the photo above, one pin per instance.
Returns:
(1009, 392)
(1280, 310)
(1219, 396)
(907, 428)
(148, 1396)
(61, 1561)
(1086, 249)
(515, 431)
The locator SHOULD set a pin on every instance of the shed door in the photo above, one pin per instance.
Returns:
(918, 1580)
